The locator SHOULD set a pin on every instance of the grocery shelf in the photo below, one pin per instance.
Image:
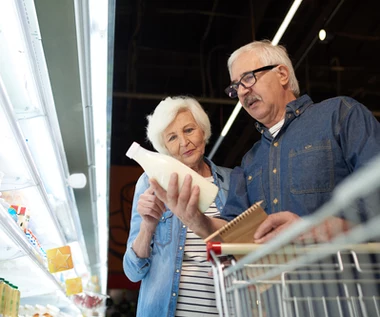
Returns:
(23, 266)
(38, 152)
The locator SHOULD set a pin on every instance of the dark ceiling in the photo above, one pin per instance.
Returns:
(178, 47)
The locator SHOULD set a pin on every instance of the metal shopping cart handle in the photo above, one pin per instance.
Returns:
(219, 248)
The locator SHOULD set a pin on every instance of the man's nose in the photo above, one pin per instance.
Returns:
(242, 90)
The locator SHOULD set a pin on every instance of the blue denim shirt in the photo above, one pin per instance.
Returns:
(317, 147)
(160, 273)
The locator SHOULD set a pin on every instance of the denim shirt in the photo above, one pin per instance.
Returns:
(317, 147)
(160, 273)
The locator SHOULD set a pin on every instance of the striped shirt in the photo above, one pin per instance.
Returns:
(196, 295)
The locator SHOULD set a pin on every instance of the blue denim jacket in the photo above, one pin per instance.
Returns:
(317, 147)
(160, 273)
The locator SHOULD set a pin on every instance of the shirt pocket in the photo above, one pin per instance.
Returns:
(255, 187)
(163, 234)
(311, 168)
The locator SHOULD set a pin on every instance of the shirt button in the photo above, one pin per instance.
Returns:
(289, 115)
(162, 218)
(274, 170)
(297, 111)
(249, 177)
(180, 248)
(275, 144)
(174, 294)
(275, 201)
(183, 226)
(177, 271)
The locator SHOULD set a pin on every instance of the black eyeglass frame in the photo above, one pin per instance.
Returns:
(232, 89)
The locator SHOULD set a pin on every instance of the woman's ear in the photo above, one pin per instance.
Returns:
(283, 74)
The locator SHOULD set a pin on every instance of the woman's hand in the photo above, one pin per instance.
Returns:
(150, 208)
(184, 205)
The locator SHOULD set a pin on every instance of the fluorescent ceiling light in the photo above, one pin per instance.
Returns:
(231, 119)
(284, 25)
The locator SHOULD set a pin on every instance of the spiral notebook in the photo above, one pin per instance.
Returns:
(243, 227)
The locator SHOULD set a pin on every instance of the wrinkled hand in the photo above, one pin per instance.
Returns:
(325, 231)
(183, 204)
(273, 225)
(150, 208)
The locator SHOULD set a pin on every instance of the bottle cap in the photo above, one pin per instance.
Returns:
(132, 150)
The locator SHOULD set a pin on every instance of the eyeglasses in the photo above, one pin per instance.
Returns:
(247, 80)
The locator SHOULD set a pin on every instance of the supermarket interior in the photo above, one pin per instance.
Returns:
(78, 79)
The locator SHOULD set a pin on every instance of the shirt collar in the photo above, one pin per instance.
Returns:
(296, 107)
(213, 169)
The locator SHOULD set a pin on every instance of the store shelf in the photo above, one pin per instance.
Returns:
(24, 267)
(33, 168)
(37, 154)
(16, 164)
(31, 153)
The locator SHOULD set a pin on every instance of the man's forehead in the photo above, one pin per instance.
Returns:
(246, 62)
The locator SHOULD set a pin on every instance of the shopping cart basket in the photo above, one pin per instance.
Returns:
(296, 274)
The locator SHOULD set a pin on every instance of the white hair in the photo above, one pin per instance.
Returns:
(165, 113)
(268, 54)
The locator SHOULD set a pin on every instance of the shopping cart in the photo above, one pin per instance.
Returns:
(297, 274)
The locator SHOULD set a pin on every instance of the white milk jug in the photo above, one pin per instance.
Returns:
(160, 167)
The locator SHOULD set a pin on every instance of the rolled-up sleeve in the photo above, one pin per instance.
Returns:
(136, 268)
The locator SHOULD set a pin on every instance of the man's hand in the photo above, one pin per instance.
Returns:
(324, 232)
(273, 225)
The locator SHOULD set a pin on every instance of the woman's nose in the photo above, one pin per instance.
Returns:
(183, 140)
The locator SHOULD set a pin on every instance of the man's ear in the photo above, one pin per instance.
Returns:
(283, 74)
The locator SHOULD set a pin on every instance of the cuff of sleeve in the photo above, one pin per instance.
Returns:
(141, 263)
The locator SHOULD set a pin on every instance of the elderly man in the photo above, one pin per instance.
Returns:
(306, 148)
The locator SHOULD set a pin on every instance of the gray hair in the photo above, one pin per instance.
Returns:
(268, 54)
(165, 113)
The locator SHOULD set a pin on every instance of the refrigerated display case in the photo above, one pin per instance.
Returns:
(35, 170)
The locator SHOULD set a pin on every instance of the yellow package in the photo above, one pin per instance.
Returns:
(15, 301)
(59, 259)
(2, 296)
(7, 298)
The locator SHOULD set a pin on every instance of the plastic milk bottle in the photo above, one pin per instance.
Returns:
(160, 167)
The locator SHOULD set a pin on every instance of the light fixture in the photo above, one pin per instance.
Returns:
(322, 34)
(94, 43)
(325, 36)
(77, 180)
(280, 32)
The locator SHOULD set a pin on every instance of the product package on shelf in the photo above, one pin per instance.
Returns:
(91, 304)
(16, 204)
(9, 299)
(41, 311)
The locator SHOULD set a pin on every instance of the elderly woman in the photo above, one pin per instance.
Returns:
(163, 253)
